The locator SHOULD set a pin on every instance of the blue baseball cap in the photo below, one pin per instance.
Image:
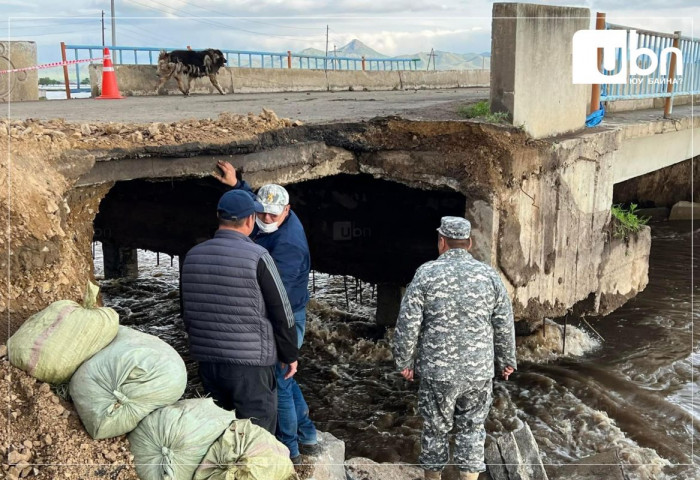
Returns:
(237, 205)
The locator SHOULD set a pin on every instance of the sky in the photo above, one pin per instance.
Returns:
(392, 27)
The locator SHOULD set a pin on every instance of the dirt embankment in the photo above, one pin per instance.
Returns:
(42, 436)
(47, 224)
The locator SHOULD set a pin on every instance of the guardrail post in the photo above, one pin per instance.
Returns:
(595, 88)
(668, 106)
(65, 70)
(289, 59)
(363, 63)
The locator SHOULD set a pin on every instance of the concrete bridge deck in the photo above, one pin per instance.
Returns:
(309, 107)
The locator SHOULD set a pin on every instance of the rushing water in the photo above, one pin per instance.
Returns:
(627, 381)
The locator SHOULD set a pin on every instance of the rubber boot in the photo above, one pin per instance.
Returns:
(468, 476)
(432, 475)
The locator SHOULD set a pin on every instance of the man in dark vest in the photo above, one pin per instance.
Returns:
(279, 230)
(237, 315)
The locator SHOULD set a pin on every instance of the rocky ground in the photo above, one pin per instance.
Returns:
(42, 436)
(224, 128)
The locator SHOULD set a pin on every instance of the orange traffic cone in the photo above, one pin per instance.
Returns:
(110, 90)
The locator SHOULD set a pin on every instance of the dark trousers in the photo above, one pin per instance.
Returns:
(250, 391)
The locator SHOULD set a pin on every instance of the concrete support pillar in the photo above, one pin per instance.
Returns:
(388, 302)
(120, 262)
(531, 67)
(484, 216)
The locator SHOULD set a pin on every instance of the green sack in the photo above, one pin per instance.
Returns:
(246, 452)
(53, 343)
(170, 443)
(136, 374)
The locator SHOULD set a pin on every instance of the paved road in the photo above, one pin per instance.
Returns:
(314, 107)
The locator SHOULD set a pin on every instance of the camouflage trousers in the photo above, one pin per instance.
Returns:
(444, 405)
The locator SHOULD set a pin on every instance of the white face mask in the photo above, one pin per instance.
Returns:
(266, 227)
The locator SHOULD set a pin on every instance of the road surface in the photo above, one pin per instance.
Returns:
(312, 107)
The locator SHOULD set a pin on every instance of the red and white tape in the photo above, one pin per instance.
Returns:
(51, 65)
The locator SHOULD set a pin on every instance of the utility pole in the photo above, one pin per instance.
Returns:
(103, 28)
(114, 27)
(325, 62)
(431, 56)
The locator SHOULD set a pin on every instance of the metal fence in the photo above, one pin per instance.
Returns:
(661, 83)
(247, 59)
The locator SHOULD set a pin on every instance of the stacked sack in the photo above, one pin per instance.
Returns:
(53, 343)
(133, 376)
(245, 452)
(172, 441)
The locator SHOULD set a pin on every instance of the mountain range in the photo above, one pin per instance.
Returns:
(441, 61)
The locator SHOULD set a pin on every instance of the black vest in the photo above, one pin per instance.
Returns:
(224, 310)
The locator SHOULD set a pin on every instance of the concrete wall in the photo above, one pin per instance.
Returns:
(555, 247)
(20, 86)
(642, 151)
(531, 57)
(142, 80)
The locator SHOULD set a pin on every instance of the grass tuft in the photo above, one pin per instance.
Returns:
(482, 110)
(626, 221)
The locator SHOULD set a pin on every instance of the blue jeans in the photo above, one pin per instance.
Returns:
(293, 423)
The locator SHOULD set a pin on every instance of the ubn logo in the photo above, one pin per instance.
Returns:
(585, 57)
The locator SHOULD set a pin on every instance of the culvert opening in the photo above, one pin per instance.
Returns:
(364, 234)
(371, 229)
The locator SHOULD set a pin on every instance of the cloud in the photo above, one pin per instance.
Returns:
(391, 27)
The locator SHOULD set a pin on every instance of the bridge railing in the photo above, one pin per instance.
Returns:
(674, 80)
(125, 55)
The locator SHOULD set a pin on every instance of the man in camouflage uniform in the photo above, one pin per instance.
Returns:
(455, 321)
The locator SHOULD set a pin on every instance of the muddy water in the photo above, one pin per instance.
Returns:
(626, 381)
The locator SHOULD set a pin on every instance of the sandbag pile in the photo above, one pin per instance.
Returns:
(123, 380)
(53, 343)
(133, 376)
(172, 441)
(245, 452)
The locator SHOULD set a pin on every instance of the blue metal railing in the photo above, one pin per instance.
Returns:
(246, 59)
(655, 84)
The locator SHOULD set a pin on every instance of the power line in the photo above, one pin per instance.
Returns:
(247, 20)
(187, 15)
(13, 27)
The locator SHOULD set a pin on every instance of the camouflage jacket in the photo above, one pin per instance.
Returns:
(455, 321)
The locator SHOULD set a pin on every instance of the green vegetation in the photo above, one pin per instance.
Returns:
(626, 221)
(85, 81)
(49, 81)
(482, 110)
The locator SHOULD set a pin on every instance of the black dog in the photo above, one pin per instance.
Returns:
(190, 64)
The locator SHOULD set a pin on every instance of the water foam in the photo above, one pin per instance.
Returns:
(546, 343)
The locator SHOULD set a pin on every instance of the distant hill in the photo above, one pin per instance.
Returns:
(443, 60)
(312, 51)
(357, 49)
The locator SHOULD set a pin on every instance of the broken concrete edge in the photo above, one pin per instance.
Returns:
(323, 142)
(515, 455)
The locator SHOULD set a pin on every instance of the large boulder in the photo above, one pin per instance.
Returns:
(685, 211)
(329, 463)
